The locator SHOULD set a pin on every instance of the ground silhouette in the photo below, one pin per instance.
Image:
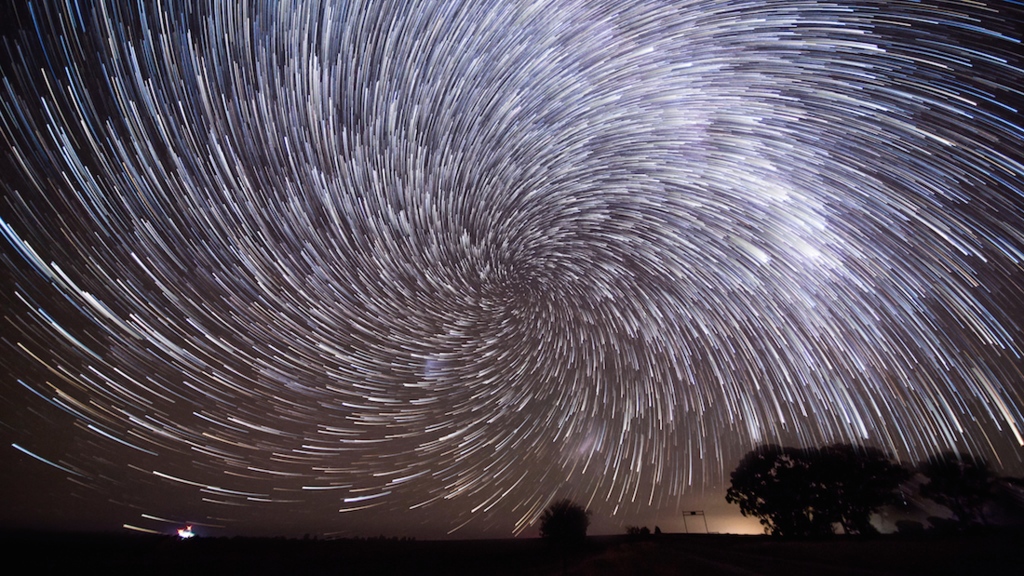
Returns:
(978, 551)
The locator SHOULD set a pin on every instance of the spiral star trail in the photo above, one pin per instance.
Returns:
(447, 261)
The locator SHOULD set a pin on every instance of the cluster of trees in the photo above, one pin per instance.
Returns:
(811, 491)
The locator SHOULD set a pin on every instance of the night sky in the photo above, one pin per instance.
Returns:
(420, 268)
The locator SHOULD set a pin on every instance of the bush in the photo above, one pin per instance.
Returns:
(564, 522)
(909, 527)
(638, 531)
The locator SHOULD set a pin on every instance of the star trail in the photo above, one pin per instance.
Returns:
(448, 261)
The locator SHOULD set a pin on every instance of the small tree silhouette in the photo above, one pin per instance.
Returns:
(959, 482)
(564, 523)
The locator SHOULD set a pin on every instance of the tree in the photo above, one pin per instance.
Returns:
(806, 492)
(852, 483)
(770, 484)
(564, 523)
(959, 482)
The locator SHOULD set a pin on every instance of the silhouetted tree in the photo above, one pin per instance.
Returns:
(770, 483)
(959, 482)
(806, 492)
(851, 483)
(564, 522)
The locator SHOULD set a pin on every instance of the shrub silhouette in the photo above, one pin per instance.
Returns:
(638, 531)
(564, 522)
(909, 527)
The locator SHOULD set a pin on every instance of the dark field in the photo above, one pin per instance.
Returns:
(996, 552)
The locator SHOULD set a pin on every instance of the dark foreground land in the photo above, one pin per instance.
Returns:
(990, 552)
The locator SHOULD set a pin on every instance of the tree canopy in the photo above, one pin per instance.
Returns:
(805, 492)
(959, 482)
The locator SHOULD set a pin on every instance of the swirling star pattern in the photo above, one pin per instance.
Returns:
(467, 257)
